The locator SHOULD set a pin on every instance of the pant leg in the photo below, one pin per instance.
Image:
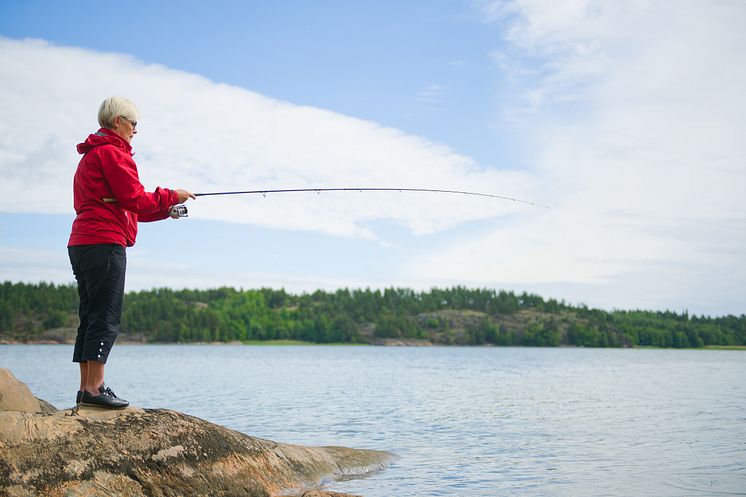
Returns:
(83, 309)
(100, 272)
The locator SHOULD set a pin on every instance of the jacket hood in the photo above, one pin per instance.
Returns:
(104, 137)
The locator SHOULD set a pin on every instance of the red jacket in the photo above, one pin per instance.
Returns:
(107, 171)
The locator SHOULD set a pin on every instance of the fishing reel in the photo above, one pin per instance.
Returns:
(177, 211)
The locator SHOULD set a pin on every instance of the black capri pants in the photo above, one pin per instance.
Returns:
(99, 271)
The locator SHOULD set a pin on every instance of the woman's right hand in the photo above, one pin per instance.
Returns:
(185, 195)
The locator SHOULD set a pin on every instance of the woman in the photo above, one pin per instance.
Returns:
(109, 202)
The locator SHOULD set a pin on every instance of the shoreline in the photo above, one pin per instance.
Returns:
(259, 343)
(380, 343)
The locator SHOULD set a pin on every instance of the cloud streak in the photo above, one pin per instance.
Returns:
(633, 111)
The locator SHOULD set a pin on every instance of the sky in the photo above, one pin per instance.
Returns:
(626, 118)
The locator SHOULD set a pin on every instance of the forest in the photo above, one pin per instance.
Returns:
(47, 313)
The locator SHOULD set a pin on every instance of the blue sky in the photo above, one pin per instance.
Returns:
(627, 118)
(422, 67)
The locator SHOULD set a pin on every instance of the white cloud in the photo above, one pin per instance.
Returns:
(431, 95)
(204, 136)
(147, 270)
(21, 264)
(636, 114)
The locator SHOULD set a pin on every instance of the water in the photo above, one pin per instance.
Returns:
(463, 421)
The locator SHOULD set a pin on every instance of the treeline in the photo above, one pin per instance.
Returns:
(459, 316)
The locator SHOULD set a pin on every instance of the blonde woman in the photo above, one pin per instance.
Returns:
(109, 201)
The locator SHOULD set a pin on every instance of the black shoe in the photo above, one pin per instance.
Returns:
(78, 397)
(106, 398)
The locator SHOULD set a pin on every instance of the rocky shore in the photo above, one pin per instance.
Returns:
(90, 452)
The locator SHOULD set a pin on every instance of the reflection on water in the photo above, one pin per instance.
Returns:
(463, 421)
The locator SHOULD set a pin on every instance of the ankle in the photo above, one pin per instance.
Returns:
(93, 390)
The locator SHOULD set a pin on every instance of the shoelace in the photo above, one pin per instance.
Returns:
(108, 391)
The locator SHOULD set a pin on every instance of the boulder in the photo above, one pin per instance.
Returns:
(159, 452)
(15, 395)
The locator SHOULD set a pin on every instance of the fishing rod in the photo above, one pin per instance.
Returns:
(367, 189)
(181, 210)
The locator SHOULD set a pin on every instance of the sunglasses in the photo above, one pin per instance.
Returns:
(133, 123)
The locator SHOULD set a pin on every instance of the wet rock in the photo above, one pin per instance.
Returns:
(160, 453)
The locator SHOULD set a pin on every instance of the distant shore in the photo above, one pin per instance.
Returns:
(381, 343)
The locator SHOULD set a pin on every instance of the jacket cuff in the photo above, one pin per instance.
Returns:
(174, 199)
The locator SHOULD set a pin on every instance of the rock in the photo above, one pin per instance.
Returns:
(15, 395)
(321, 493)
(159, 453)
(46, 407)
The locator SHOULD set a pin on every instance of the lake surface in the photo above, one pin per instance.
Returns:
(463, 421)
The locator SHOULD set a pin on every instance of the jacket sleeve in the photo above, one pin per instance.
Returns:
(147, 218)
(121, 174)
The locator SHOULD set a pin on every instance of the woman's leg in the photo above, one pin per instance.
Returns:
(76, 254)
(83, 375)
(94, 377)
(100, 271)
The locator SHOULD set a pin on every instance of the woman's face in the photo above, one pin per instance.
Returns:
(125, 128)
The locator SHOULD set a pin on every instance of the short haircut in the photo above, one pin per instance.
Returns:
(114, 107)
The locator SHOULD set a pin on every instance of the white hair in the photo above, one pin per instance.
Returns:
(114, 107)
